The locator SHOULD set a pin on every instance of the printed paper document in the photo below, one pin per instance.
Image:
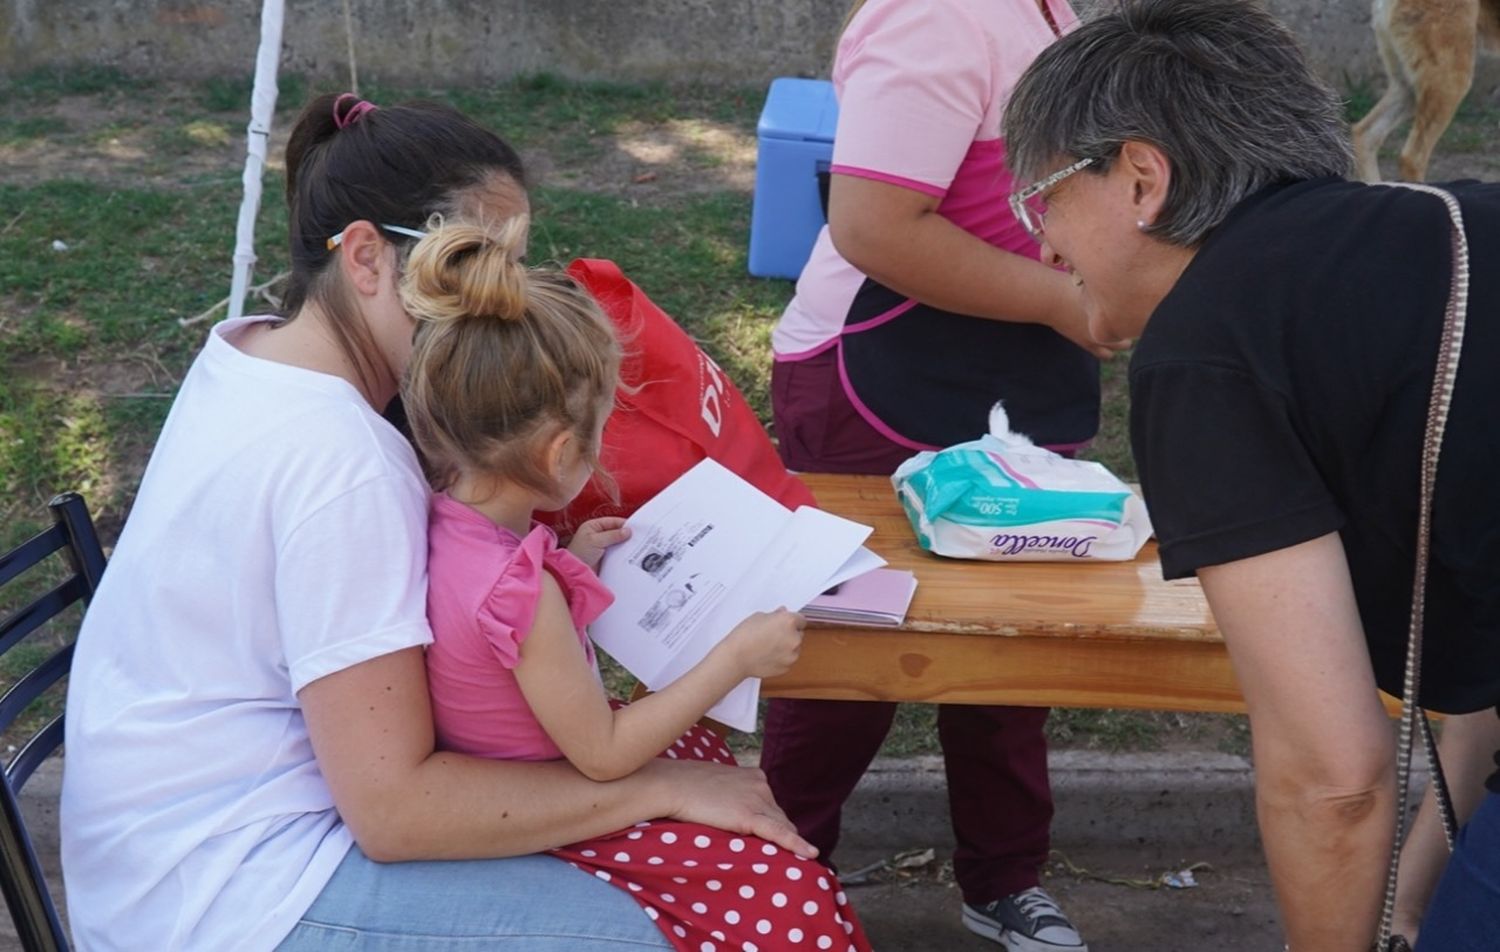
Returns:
(704, 554)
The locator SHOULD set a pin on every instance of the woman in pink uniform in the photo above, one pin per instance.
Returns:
(922, 305)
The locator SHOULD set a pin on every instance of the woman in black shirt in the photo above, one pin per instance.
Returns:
(1288, 321)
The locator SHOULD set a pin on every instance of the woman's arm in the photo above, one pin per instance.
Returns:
(606, 744)
(895, 235)
(371, 729)
(1467, 750)
(1324, 751)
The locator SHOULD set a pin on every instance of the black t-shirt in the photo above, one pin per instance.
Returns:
(1280, 392)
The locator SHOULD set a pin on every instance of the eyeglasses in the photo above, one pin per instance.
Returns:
(338, 239)
(1030, 218)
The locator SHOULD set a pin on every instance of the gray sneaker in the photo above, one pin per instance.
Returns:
(1027, 921)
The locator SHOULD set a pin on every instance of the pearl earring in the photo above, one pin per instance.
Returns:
(1141, 224)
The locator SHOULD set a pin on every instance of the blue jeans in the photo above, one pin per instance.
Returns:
(523, 903)
(1464, 915)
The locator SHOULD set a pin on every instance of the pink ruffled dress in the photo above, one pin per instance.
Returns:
(706, 889)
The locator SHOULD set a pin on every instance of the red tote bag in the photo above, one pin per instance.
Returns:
(683, 408)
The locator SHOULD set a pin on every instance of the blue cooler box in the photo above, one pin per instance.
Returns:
(791, 175)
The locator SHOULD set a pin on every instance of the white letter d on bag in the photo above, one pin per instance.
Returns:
(713, 411)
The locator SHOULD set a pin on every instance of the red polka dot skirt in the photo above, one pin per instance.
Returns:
(713, 891)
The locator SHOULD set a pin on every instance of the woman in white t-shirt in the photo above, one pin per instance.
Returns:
(251, 761)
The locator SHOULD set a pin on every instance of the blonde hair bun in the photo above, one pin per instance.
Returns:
(462, 270)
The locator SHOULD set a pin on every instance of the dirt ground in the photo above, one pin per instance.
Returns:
(1230, 910)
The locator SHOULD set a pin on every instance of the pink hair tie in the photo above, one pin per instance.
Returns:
(351, 115)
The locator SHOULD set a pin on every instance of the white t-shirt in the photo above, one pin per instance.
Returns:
(279, 536)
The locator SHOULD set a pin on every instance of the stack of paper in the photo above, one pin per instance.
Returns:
(879, 598)
(704, 554)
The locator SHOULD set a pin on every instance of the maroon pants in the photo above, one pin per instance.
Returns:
(815, 751)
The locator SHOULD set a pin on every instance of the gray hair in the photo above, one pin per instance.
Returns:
(1220, 86)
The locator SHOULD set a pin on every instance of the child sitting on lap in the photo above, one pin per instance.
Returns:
(513, 375)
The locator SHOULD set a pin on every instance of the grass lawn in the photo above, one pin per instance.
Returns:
(118, 197)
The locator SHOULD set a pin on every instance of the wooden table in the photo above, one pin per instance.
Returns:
(1084, 634)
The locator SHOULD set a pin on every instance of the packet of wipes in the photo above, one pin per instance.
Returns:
(1003, 498)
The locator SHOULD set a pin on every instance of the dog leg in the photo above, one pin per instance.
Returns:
(1394, 106)
(1437, 41)
(1436, 105)
(1371, 132)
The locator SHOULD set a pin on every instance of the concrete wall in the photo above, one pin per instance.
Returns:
(434, 41)
(447, 41)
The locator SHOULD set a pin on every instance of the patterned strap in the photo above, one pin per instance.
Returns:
(1449, 347)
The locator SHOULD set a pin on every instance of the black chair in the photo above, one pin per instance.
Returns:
(21, 879)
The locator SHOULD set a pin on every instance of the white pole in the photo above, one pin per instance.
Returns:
(262, 111)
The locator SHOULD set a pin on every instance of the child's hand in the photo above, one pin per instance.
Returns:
(596, 535)
(767, 643)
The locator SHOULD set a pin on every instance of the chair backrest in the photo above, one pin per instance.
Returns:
(73, 533)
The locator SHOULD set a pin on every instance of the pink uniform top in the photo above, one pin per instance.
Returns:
(922, 86)
(484, 586)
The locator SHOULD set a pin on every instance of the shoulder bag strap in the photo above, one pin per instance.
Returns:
(1412, 719)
